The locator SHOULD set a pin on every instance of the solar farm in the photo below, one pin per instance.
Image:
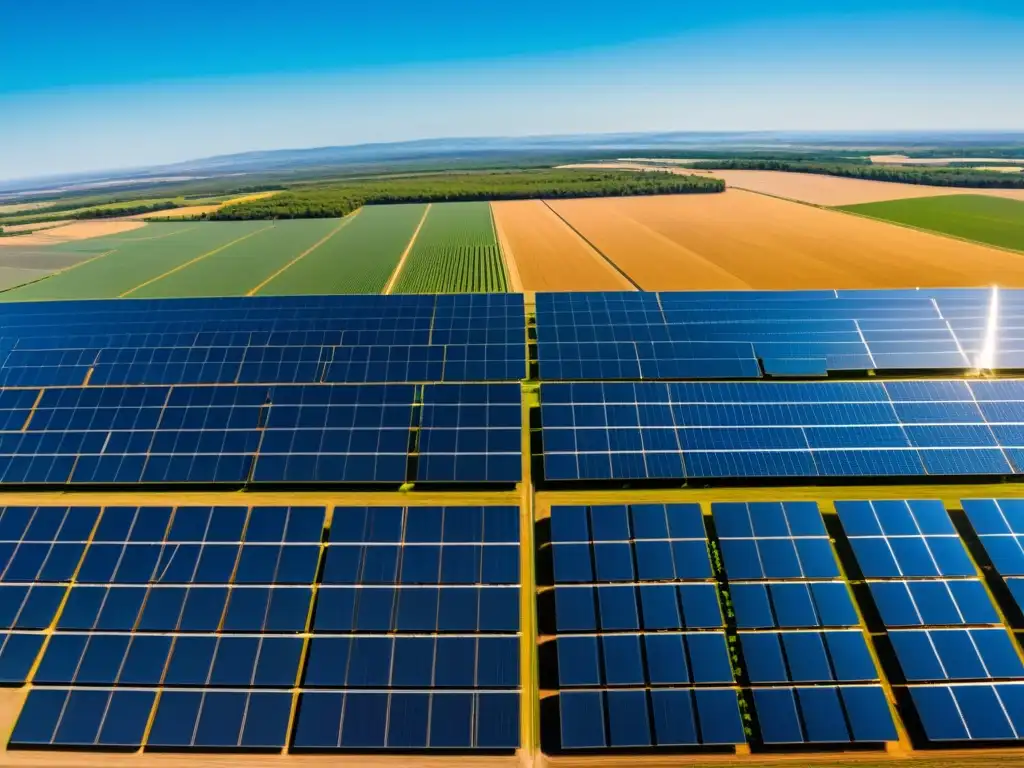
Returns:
(538, 529)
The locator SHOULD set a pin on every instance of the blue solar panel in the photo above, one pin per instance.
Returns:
(773, 540)
(835, 656)
(666, 543)
(682, 717)
(999, 524)
(647, 430)
(935, 655)
(896, 539)
(836, 715)
(205, 605)
(966, 712)
(471, 433)
(792, 605)
(662, 659)
(941, 602)
(441, 720)
(265, 340)
(600, 335)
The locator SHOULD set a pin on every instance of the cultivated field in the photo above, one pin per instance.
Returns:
(456, 251)
(79, 230)
(359, 258)
(834, 190)
(130, 264)
(242, 264)
(548, 255)
(974, 217)
(741, 240)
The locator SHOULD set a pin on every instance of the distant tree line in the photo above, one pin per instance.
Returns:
(942, 177)
(335, 200)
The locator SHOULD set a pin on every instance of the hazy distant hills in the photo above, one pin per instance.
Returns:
(437, 153)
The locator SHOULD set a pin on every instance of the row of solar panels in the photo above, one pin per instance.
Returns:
(344, 339)
(639, 620)
(800, 333)
(138, 627)
(648, 430)
(240, 434)
(598, 336)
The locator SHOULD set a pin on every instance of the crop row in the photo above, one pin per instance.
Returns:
(454, 269)
(456, 252)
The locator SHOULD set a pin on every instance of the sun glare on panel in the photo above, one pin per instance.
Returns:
(987, 357)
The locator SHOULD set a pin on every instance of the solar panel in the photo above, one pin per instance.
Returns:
(941, 602)
(942, 625)
(602, 544)
(896, 539)
(823, 714)
(792, 605)
(203, 621)
(416, 624)
(681, 717)
(264, 340)
(703, 335)
(833, 656)
(689, 430)
(999, 524)
(773, 540)
(471, 433)
(636, 607)
(970, 712)
(935, 655)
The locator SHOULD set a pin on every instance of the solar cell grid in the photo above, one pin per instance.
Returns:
(662, 659)
(652, 542)
(225, 655)
(999, 524)
(970, 712)
(773, 540)
(891, 330)
(250, 340)
(899, 539)
(711, 430)
(823, 714)
(681, 717)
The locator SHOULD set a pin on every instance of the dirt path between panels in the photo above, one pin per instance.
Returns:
(548, 255)
(740, 240)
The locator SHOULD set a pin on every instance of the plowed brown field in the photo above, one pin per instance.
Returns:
(549, 256)
(738, 240)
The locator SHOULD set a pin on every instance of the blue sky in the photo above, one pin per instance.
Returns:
(145, 83)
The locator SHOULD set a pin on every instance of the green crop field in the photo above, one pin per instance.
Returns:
(358, 258)
(456, 252)
(240, 268)
(135, 260)
(986, 219)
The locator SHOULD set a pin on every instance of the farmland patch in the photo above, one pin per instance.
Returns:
(359, 258)
(974, 217)
(456, 252)
(743, 240)
(550, 256)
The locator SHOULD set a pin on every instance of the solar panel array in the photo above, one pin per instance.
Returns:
(218, 627)
(963, 671)
(744, 334)
(642, 654)
(813, 679)
(715, 430)
(273, 340)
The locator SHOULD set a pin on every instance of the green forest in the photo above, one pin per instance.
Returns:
(334, 200)
(941, 177)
